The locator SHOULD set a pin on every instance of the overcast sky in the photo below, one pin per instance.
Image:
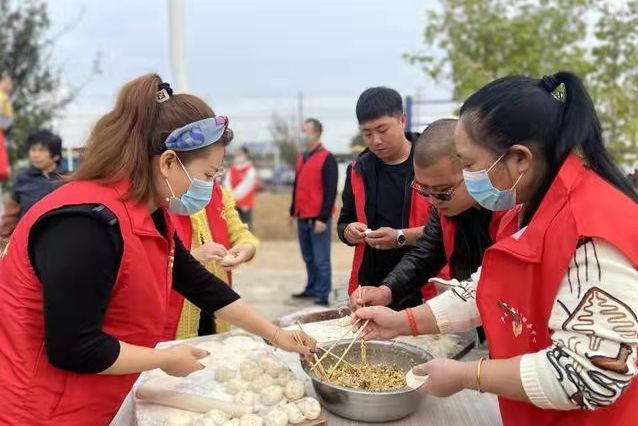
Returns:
(248, 58)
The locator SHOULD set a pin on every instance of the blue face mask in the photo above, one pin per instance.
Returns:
(197, 196)
(480, 187)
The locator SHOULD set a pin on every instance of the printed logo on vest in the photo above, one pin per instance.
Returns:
(519, 322)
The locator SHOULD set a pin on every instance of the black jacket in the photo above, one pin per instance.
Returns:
(376, 263)
(427, 257)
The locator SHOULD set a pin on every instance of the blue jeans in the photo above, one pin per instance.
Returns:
(315, 250)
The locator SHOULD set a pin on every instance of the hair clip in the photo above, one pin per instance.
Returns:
(164, 93)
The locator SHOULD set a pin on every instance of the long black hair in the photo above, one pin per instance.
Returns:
(532, 112)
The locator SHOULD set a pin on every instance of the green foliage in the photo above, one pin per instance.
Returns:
(472, 42)
(285, 138)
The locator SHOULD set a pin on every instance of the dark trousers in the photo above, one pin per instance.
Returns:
(315, 250)
(246, 216)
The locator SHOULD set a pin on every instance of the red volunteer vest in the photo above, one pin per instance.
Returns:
(35, 392)
(419, 214)
(5, 166)
(184, 228)
(237, 176)
(521, 274)
(309, 188)
(448, 229)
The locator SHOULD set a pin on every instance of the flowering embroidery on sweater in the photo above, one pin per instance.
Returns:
(518, 320)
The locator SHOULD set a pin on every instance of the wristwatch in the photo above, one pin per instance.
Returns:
(401, 238)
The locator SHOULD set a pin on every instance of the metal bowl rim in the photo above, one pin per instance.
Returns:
(407, 346)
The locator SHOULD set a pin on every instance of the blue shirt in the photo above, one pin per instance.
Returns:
(32, 185)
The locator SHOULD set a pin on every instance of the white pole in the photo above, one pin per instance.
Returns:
(176, 43)
(69, 158)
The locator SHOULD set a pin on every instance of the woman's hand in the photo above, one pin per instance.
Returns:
(237, 255)
(384, 323)
(209, 252)
(446, 376)
(285, 339)
(182, 360)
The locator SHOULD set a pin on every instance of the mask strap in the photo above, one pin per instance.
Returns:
(170, 188)
(184, 168)
(495, 163)
(518, 180)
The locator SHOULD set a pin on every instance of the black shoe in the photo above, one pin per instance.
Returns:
(322, 303)
(302, 295)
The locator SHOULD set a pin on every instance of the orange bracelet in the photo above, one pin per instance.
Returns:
(412, 321)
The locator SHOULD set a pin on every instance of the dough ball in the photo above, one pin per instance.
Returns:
(181, 419)
(261, 382)
(285, 377)
(211, 418)
(246, 397)
(224, 374)
(250, 370)
(251, 420)
(271, 365)
(276, 417)
(233, 386)
(295, 416)
(367, 232)
(294, 390)
(344, 321)
(232, 422)
(309, 407)
(271, 395)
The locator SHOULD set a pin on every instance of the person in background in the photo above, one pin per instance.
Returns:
(314, 194)
(219, 240)
(558, 290)
(86, 279)
(41, 178)
(6, 120)
(457, 234)
(382, 215)
(241, 179)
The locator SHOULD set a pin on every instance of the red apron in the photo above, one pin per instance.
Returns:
(35, 392)
(419, 215)
(522, 272)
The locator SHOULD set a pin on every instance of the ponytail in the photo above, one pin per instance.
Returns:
(581, 130)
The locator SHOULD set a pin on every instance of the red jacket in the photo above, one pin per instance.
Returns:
(34, 391)
(309, 184)
(184, 228)
(5, 166)
(419, 214)
(521, 274)
(237, 174)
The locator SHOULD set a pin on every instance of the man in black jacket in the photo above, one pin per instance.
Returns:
(387, 173)
(438, 176)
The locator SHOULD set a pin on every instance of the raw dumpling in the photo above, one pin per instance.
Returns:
(272, 366)
(232, 422)
(250, 370)
(285, 377)
(295, 416)
(224, 374)
(251, 420)
(211, 418)
(294, 390)
(181, 419)
(271, 395)
(261, 382)
(344, 321)
(309, 407)
(236, 385)
(245, 397)
(276, 417)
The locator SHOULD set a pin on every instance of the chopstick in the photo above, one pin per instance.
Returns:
(336, 356)
(356, 336)
(317, 364)
(363, 349)
(328, 352)
(319, 370)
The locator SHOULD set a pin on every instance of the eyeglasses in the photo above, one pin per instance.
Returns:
(427, 192)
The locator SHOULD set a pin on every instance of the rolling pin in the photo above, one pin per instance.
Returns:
(188, 402)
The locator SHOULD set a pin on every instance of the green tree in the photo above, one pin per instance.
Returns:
(471, 42)
(284, 137)
(25, 55)
(356, 144)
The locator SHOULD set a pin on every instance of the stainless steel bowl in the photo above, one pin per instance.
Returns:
(365, 406)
